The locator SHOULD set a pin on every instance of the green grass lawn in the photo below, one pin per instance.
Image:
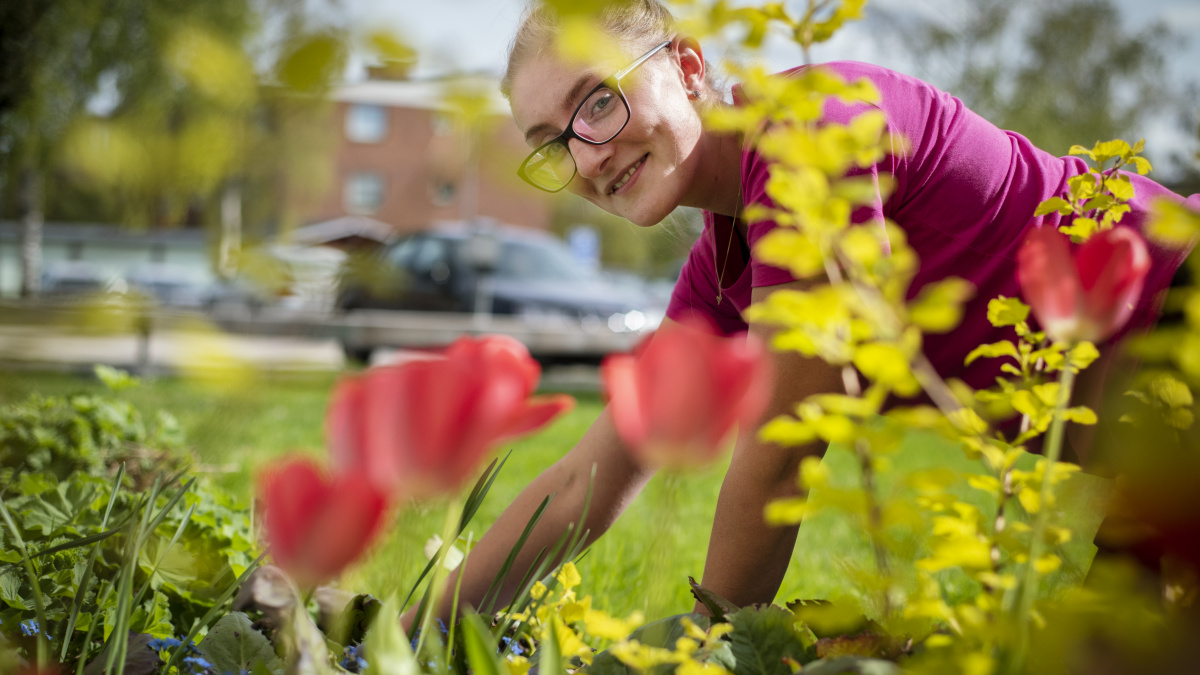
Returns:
(641, 564)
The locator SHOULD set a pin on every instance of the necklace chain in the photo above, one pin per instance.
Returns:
(737, 214)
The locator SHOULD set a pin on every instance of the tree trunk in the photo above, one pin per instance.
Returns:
(231, 231)
(29, 207)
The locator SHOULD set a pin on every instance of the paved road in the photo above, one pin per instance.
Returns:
(173, 351)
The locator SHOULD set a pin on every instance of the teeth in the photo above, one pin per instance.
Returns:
(619, 184)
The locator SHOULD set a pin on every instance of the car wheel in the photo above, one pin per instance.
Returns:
(357, 355)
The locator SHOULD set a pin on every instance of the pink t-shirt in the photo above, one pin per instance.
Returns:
(964, 194)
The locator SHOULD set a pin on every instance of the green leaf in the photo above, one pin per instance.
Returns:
(551, 660)
(388, 651)
(10, 588)
(1004, 311)
(938, 307)
(59, 510)
(481, 649)
(1120, 187)
(1081, 356)
(1080, 229)
(115, 378)
(1172, 392)
(352, 624)
(992, 351)
(233, 645)
(1080, 415)
(719, 607)
(1106, 150)
(1053, 205)
(762, 638)
(1080, 150)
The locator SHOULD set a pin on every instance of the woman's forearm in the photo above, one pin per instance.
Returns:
(747, 558)
(618, 480)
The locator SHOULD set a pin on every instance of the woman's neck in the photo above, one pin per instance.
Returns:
(718, 183)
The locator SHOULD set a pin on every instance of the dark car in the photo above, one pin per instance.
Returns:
(496, 269)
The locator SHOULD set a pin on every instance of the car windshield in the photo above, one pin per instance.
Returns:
(534, 261)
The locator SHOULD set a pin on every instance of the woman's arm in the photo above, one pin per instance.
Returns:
(746, 557)
(618, 480)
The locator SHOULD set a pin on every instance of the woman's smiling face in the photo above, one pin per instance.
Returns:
(649, 168)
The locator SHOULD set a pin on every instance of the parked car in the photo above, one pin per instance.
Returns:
(169, 285)
(75, 279)
(525, 273)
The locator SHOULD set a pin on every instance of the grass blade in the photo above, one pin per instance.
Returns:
(480, 491)
(489, 600)
(470, 507)
(187, 517)
(86, 579)
(101, 598)
(162, 513)
(76, 543)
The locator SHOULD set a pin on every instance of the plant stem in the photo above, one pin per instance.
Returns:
(1053, 450)
(449, 536)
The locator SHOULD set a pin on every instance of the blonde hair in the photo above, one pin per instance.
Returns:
(637, 23)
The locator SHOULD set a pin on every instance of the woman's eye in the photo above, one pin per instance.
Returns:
(602, 103)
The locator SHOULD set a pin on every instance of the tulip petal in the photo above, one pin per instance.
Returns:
(1113, 265)
(625, 406)
(1049, 283)
(344, 426)
(351, 518)
(677, 399)
(538, 412)
(422, 427)
(316, 525)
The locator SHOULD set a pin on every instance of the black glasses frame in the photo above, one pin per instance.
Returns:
(612, 82)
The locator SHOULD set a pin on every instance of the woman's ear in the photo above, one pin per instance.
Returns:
(691, 63)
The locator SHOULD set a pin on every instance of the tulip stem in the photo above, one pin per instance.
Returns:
(1053, 449)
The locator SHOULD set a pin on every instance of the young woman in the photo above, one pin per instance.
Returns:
(632, 143)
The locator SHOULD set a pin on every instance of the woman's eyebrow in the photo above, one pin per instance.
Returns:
(568, 103)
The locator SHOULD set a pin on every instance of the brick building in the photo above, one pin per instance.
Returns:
(403, 159)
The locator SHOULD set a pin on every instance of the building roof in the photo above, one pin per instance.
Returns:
(338, 229)
(424, 94)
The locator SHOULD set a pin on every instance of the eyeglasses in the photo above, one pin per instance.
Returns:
(602, 115)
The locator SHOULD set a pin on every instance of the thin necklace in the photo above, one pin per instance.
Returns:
(728, 245)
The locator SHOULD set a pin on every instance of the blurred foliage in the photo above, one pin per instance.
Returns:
(649, 251)
(146, 112)
(63, 457)
(1058, 73)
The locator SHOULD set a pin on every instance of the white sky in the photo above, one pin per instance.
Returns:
(473, 35)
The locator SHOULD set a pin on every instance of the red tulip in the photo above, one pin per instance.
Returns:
(1087, 297)
(675, 400)
(422, 427)
(318, 524)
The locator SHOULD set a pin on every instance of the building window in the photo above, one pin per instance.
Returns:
(366, 123)
(363, 193)
(441, 193)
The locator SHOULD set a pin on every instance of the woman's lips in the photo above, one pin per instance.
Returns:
(630, 176)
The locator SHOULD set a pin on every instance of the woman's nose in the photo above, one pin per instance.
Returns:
(590, 160)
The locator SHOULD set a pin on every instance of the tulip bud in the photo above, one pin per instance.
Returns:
(675, 400)
(423, 427)
(1088, 296)
(317, 524)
